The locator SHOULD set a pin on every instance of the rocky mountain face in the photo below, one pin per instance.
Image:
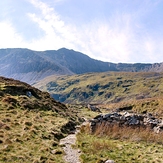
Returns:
(31, 66)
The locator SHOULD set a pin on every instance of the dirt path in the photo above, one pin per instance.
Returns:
(71, 154)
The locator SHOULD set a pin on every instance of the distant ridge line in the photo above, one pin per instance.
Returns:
(31, 66)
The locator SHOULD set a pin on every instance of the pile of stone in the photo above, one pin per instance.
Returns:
(129, 119)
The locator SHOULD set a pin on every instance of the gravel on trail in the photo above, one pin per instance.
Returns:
(71, 154)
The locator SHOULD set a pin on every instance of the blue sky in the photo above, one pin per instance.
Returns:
(109, 30)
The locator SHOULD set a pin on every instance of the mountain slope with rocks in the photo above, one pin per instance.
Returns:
(32, 124)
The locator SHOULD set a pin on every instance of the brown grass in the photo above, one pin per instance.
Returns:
(120, 144)
(128, 133)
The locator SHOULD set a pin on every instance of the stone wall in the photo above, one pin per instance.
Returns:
(129, 120)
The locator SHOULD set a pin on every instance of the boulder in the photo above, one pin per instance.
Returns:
(93, 108)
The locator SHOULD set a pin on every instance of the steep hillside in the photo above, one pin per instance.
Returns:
(31, 124)
(79, 63)
(108, 87)
(27, 65)
(31, 66)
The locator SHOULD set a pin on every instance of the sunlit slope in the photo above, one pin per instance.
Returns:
(107, 87)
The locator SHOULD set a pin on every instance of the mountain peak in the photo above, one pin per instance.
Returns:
(30, 66)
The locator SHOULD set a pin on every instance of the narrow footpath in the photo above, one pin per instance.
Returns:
(71, 154)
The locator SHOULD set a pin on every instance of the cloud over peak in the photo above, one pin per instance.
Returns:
(120, 33)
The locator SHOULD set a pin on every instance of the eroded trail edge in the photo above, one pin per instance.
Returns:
(71, 154)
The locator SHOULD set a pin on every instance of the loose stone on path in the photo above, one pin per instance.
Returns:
(71, 154)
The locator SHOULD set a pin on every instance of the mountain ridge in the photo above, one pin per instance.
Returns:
(31, 66)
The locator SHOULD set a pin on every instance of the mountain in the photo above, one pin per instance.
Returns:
(79, 63)
(106, 87)
(31, 124)
(31, 66)
(28, 65)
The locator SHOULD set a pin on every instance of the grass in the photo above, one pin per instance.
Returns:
(107, 87)
(97, 148)
(31, 127)
(128, 133)
(122, 144)
(152, 105)
(29, 136)
(82, 111)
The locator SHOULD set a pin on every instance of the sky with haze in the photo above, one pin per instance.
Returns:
(128, 31)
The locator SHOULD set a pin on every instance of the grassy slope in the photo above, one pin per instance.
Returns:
(127, 144)
(31, 127)
(104, 87)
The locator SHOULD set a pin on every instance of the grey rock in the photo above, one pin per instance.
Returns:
(109, 161)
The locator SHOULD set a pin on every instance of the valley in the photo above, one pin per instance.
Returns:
(33, 123)
(68, 90)
(137, 93)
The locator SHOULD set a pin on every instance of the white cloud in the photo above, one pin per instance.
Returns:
(110, 40)
(57, 34)
(9, 36)
(106, 41)
(97, 39)
(121, 38)
(153, 49)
